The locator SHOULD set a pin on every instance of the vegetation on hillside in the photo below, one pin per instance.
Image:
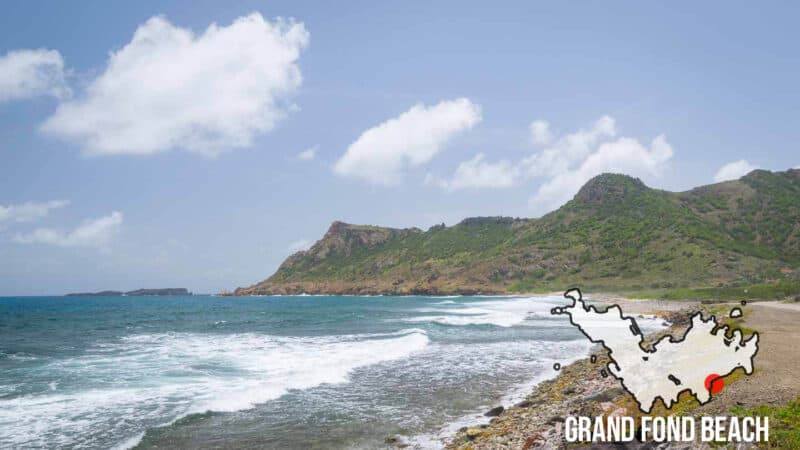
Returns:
(615, 233)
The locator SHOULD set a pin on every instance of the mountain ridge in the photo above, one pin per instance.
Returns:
(616, 231)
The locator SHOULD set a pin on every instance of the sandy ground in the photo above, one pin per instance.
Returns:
(777, 377)
(781, 305)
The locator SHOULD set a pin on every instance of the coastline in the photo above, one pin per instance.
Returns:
(580, 390)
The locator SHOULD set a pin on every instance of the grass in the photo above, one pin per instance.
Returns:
(784, 423)
(774, 291)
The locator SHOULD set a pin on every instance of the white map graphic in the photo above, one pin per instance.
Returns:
(673, 365)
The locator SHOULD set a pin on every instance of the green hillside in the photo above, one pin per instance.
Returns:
(615, 233)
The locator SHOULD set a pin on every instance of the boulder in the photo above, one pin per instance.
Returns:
(473, 432)
(494, 412)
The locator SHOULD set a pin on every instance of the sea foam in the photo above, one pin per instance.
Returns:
(502, 313)
(149, 380)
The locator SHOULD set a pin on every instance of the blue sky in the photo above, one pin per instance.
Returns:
(139, 148)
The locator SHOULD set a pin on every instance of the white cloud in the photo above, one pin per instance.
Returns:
(29, 211)
(308, 154)
(540, 132)
(569, 150)
(31, 73)
(565, 164)
(624, 155)
(171, 89)
(91, 233)
(300, 245)
(413, 138)
(734, 170)
(478, 174)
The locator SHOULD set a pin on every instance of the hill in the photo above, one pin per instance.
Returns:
(615, 233)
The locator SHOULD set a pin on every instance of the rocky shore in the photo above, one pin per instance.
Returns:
(581, 389)
(430, 287)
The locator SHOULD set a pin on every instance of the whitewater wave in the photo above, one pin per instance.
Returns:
(503, 313)
(155, 379)
(508, 312)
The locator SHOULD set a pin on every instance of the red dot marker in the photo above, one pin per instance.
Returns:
(714, 383)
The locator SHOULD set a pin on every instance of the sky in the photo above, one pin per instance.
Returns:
(197, 145)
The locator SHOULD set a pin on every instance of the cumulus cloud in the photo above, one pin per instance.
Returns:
(308, 154)
(540, 132)
(29, 211)
(623, 155)
(570, 149)
(565, 164)
(381, 153)
(734, 170)
(26, 74)
(169, 88)
(91, 233)
(299, 245)
(476, 173)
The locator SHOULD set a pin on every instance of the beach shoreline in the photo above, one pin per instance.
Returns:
(580, 390)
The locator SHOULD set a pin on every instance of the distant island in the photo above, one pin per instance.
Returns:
(137, 292)
(726, 239)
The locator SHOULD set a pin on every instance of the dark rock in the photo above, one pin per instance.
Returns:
(524, 404)
(568, 391)
(396, 441)
(494, 412)
(555, 419)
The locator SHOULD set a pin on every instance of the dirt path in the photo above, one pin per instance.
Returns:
(777, 377)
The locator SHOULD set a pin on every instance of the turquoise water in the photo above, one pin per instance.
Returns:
(274, 372)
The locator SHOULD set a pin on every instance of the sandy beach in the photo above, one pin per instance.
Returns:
(579, 389)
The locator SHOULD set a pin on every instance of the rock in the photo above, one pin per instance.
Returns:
(462, 429)
(396, 441)
(524, 404)
(474, 432)
(568, 391)
(494, 412)
(555, 419)
(605, 396)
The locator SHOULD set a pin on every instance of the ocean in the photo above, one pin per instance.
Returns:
(268, 372)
